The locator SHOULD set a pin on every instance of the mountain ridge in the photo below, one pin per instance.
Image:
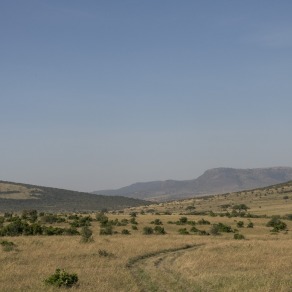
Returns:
(212, 181)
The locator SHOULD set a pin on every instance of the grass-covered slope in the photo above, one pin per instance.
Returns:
(17, 197)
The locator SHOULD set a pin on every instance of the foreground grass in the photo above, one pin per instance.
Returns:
(260, 262)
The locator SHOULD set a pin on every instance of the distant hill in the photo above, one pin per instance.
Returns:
(18, 197)
(213, 181)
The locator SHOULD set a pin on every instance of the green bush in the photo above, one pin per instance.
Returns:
(183, 220)
(288, 217)
(159, 230)
(238, 236)
(203, 222)
(194, 229)
(86, 234)
(108, 230)
(277, 224)
(156, 222)
(250, 225)
(126, 232)
(240, 224)
(133, 221)
(148, 230)
(215, 229)
(223, 227)
(62, 279)
(134, 227)
(183, 231)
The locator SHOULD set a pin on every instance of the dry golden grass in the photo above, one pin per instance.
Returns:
(262, 262)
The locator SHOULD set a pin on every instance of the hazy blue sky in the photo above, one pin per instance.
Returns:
(101, 94)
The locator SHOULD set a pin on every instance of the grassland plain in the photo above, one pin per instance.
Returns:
(139, 262)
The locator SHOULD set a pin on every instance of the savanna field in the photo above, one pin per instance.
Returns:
(231, 242)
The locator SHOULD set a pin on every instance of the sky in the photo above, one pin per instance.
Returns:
(101, 94)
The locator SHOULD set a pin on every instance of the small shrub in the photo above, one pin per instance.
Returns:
(104, 253)
(224, 228)
(156, 222)
(215, 230)
(148, 230)
(277, 224)
(183, 231)
(86, 235)
(7, 245)
(288, 217)
(203, 222)
(62, 278)
(133, 221)
(183, 220)
(250, 225)
(126, 232)
(203, 232)
(240, 224)
(194, 229)
(134, 227)
(133, 214)
(159, 230)
(238, 236)
(108, 230)
(190, 208)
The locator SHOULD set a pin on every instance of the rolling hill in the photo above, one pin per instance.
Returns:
(18, 197)
(213, 181)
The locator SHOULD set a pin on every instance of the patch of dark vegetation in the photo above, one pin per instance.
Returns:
(62, 279)
(7, 245)
(277, 224)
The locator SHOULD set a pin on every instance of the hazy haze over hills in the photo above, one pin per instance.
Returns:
(216, 180)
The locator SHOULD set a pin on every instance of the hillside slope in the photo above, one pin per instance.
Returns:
(213, 181)
(17, 197)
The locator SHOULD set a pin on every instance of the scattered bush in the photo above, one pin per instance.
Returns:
(86, 234)
(62, 278)
(277, 224)
(104, 253)
(203, 232)
(203, 222)
(148, 230)
(223, 227)
(133, 214)
(126, 232)
(156, 222)
(250, 225)
(288, 217)
(133, 221)
(215, 230)
(183, 231)
(240, 224)
(182, 220)
(134, 227)
(238, 236)
(190, 208)
(194, 229)
(159, 230)
(108, 230)
(7, 245)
